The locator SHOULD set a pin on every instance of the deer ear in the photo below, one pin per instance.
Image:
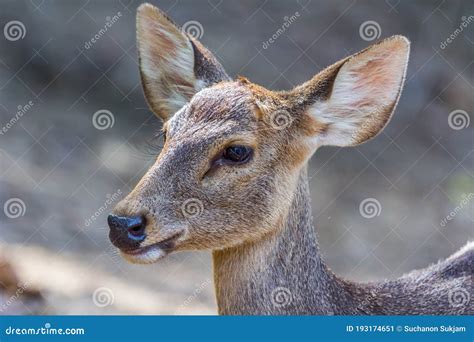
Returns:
(358, 95)
(173, 65)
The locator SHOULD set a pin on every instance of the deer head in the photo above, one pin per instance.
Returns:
(234, 150)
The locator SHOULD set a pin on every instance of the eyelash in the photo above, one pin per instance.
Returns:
(154, 145)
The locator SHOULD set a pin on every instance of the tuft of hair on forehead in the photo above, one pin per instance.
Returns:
(264, 101)
(223, 101)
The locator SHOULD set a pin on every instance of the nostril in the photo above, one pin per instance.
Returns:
(136, 228)
(124, 228)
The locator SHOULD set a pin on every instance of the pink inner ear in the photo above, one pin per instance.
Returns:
(376, 74)
(364, 95)
(166, 62)
(371, 74)
(372, 84)
(164, 48)
(160, 39)
(163, 45)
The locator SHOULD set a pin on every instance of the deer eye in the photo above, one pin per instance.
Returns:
(237, 154)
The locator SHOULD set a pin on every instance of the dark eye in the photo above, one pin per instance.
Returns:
(237, 154)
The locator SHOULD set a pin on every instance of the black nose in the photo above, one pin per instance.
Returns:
(126, 232)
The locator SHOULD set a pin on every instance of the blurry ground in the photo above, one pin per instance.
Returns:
(61, 170)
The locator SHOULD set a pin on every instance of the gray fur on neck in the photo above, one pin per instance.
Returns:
(283, 273)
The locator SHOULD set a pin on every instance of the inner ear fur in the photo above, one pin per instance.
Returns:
(173, 65)
(356, 97)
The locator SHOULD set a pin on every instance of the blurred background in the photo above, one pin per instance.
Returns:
(75, 133)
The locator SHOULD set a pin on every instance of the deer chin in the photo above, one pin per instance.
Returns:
(151, 253)
(148, 255)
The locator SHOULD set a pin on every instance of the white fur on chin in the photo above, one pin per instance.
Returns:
(148, 257)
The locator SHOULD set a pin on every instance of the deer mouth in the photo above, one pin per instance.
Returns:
(151, 253)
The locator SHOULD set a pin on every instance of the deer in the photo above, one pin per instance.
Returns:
(231, 178)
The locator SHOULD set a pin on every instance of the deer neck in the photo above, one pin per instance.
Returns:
(281, 273)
